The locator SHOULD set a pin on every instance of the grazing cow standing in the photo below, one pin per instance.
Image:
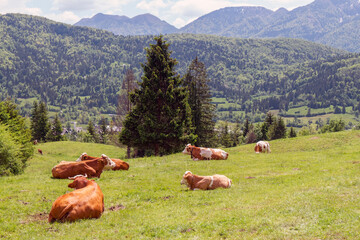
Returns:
(40, 151)
(93, 168)
(118, 164)
(195, 182)
(262, 146)
(200, 153)
(35, 142)
(86, 201)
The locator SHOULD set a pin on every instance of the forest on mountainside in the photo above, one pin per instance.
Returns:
(79, 70)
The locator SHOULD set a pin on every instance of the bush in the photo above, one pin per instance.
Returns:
(15, 134)
(10, 154)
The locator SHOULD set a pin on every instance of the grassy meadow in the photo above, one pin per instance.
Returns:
(307, 188)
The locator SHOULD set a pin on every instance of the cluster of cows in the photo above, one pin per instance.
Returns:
(87, 200)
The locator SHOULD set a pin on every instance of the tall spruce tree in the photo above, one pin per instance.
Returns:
(39, 121)
(202, 110)
(160, 121)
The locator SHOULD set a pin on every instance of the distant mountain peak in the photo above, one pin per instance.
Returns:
(144, 24)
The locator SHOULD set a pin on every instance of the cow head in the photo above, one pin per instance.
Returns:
(187, 175)
(109, 163)
(188, 149)
(80, 181)
(82, 157)
(257, 148)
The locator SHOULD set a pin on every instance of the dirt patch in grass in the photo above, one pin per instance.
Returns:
(187, 230)
(117, 207)
(313, 138)
(38, 217)
(24, 203)
(249, 177)
(167, 197)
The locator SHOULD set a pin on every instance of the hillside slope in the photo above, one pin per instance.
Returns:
(79, 69)
(308, 187)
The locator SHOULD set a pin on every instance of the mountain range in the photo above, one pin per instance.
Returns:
(79, 70)
(331, 22)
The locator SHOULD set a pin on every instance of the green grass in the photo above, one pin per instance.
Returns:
(307, 188)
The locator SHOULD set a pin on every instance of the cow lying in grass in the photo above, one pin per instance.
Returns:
(86, 201)
(118, 164)
(262, 146)
(93, 168)
(200, 153)
(195, 182)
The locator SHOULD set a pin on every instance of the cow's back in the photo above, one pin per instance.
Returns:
(218, 154)
(87, 202)
(120, 164)
(221, 181)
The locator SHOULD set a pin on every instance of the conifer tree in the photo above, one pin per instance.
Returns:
(34, 121)
(92, 131)
(160, 121)
(278, 129)
(39, 121)
(124, 104)
(103, 131)
(202, 110)
(292, 132)
(55, 131)
(246, 127)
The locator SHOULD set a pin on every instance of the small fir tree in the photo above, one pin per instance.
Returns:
(292, 133)
(55, 131)
(92, 132)
(103, 131)
(246, 127)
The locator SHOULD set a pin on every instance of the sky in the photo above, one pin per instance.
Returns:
(176, 12)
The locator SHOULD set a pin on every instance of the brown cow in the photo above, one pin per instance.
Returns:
(93, 168)
(195, 182)
(40, 151)
(119, 164)
(86, 201)
(262, 146)
(200, 153)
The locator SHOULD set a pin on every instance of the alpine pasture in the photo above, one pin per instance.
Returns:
(306, 188)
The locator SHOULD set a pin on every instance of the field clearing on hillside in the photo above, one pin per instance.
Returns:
(307, 188)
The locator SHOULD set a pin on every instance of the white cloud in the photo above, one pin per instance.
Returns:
(84, 5)
(191, 8)
(17, 6)
(153, 6)
(64, 17)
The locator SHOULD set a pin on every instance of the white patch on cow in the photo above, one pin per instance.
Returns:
(212, 181)
(109, 163)
(222, 152)
(187, 172)
(195, 159)
(205, 153)
(81, 156)
(229, 183)
(72, 178)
